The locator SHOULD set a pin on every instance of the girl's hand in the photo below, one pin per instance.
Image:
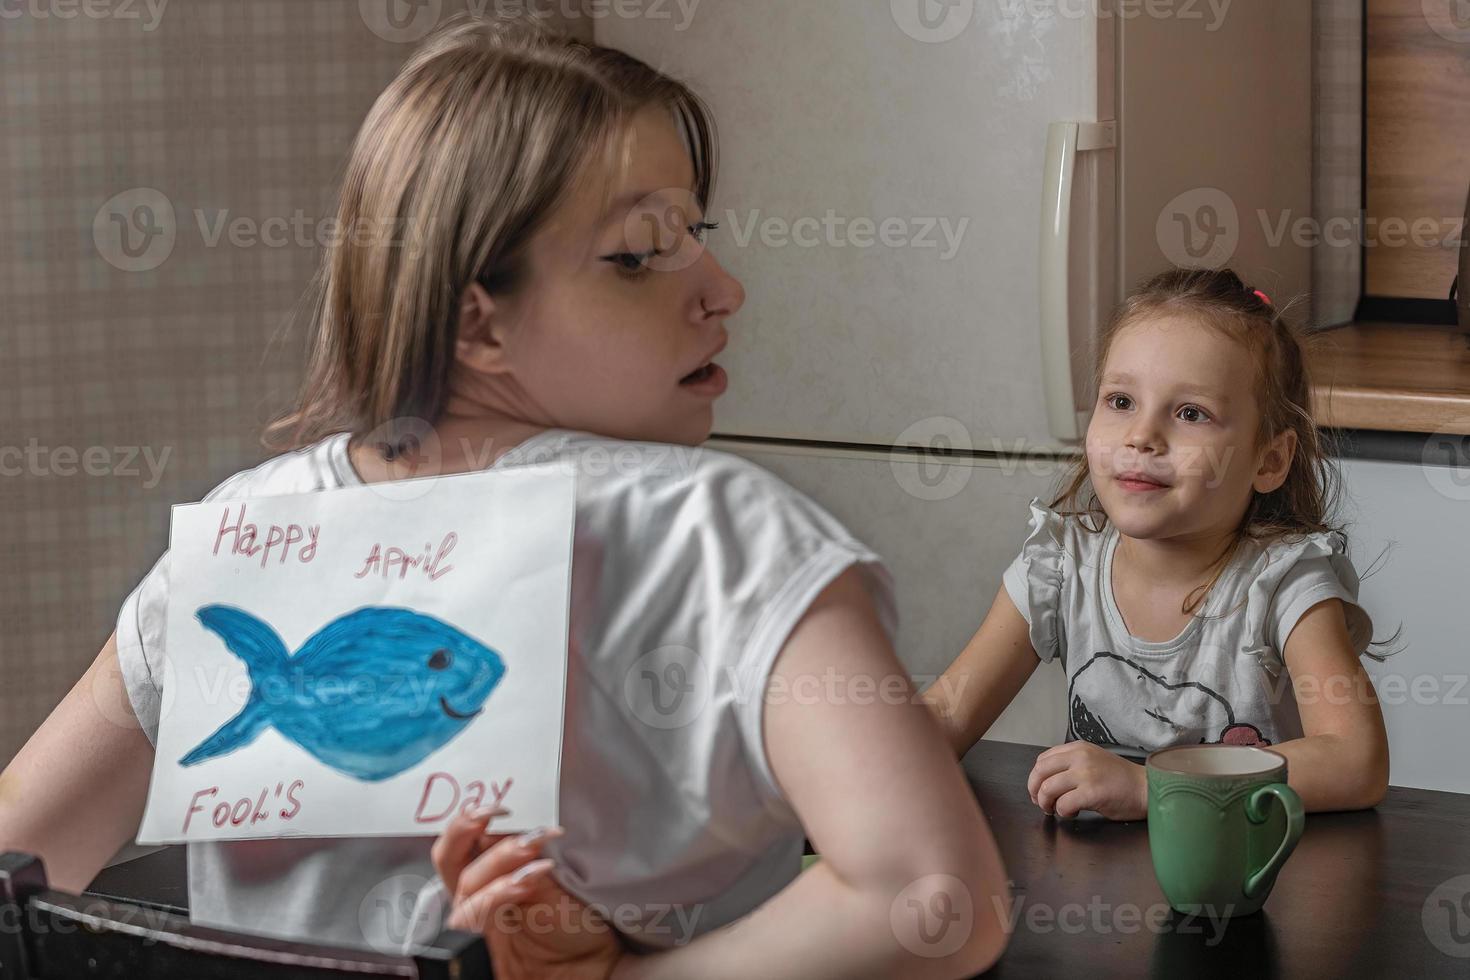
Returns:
(1077, 776)
(501, 887)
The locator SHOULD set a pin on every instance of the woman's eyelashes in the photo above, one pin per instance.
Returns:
(1185, 413)
(632, 265)
(635, 265)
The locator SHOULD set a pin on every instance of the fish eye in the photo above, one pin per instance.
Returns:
(439, 659)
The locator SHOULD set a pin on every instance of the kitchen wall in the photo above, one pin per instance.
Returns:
(138, 380)
(157, 381)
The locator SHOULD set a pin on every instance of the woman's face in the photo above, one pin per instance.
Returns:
(606, 331)
(1171, 446)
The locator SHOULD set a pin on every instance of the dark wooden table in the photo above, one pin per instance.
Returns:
(1367, 894)
(1358, 898)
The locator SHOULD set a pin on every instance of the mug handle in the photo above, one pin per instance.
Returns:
(1256, 808)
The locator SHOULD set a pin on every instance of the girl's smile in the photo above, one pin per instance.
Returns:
(1140, 484)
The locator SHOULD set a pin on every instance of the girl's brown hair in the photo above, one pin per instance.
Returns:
(1306, 501)
(459, 163)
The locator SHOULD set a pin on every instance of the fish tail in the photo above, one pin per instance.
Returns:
(239, 731)
(264, 655)
(248, 638)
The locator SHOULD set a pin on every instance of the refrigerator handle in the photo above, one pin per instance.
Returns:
(1064, 140)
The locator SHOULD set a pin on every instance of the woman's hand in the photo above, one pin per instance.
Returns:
(1077, 776)
(501, 887)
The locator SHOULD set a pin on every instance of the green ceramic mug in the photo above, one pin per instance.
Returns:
(1221, 823)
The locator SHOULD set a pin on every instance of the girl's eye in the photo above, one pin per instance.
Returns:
(1112, 402)
(1198, 412)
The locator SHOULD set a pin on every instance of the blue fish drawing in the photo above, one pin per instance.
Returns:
(371, 694)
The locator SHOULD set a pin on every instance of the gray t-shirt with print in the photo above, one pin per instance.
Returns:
(1222, 679)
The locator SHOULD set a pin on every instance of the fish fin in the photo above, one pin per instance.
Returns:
(247, 637)
(236, 733)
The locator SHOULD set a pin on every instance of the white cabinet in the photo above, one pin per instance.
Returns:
(1421, 514)
(946, 532)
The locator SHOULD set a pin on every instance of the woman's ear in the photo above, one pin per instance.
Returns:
(483, 330)
(1275, 462)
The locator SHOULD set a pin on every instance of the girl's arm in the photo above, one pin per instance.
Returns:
(1341, 763)
(910, 883)
(985, 677)
(74, 795)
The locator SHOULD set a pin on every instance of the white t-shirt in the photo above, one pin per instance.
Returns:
(1220, 680)
(690, 569)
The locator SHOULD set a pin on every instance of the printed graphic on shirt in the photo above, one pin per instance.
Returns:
(336, 698)
(1117, 701)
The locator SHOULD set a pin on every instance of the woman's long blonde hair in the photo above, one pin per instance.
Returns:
(459, 163)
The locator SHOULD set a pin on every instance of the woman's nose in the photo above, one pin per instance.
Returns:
(722, 294)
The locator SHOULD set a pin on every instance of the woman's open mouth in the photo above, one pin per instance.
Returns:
(710, 380)
(444, 703)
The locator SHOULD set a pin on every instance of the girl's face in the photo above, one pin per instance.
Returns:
(1171, 446)
(605, 333)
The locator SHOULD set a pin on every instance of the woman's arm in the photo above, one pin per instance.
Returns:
(910, 883)
(74, 795)
(1341, 763)
(985, 677)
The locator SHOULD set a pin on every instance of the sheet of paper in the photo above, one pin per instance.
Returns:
(365, 661)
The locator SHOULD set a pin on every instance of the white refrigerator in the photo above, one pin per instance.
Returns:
(932, 205)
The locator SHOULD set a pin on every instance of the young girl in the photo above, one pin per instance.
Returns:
(1186, 576)
(544, 297)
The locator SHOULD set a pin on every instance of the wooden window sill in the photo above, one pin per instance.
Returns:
(1392, 377)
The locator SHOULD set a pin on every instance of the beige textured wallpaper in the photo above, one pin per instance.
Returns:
(164, 167)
